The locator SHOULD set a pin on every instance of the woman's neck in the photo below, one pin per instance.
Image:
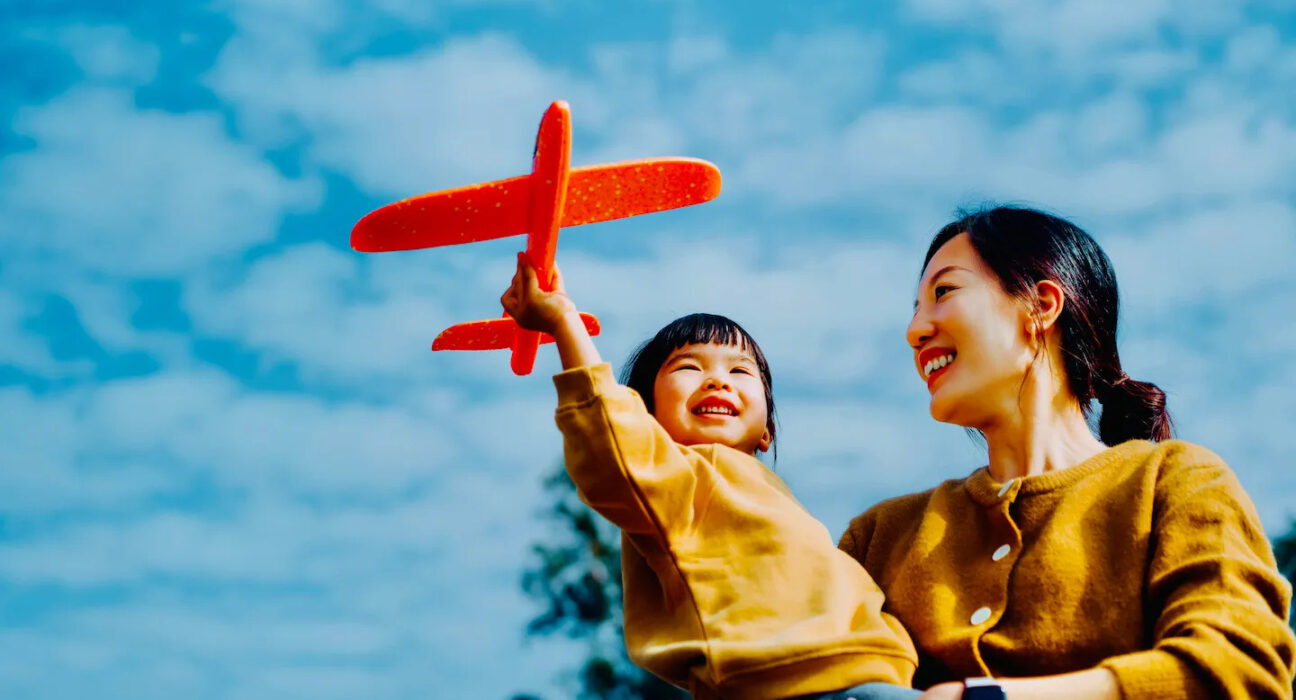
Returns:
(1049, 433)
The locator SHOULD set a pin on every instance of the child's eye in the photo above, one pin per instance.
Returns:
(740, 370)
(685, 366)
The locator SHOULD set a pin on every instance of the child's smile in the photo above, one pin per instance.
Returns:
(714, 407)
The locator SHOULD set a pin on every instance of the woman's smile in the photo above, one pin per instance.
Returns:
(933, 362)
(939, 371)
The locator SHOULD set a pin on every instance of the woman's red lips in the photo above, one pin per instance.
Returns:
(932, 353)
(930, 356)
(937, 373)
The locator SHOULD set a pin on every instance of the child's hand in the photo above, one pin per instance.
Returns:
(533, 308)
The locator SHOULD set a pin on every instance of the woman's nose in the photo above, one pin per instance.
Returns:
(920, 330)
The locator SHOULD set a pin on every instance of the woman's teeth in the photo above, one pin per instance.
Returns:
(937, 363)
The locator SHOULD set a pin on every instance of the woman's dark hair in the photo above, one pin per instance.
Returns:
(1023, 247)
(641, 369)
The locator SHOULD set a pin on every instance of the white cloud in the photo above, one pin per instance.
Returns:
(48, 467)
(23, 349)
(349, 317)
(106, 54)
(826, 310)
(135, 192)
(321, 19)
(242, 644)
(1226, 254)
(1111, 125)
(841, 456)
(1099, 159)
(685, 54)
(890, 157)
(1076, 28)
(464, 112)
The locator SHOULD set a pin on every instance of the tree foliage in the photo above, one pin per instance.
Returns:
(1285, 553)
(576, 577)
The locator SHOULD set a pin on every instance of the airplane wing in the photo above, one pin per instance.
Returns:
(493, 334)
(449, 217)
(617, 190)
(497, 209)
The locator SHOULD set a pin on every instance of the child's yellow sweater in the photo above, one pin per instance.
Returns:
(731, 588)
(1147, 559)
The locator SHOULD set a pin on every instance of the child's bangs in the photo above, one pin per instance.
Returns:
(704, 329)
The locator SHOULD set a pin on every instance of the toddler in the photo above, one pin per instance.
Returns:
(731, 589)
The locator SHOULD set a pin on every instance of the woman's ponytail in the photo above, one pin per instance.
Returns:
(1132, 410)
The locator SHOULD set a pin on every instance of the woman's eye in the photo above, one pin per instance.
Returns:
(941, 290)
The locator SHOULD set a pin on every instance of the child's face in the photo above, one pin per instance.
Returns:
(708, 393)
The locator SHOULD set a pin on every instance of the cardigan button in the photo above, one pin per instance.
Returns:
(1001, 553)
(1004, 489)
(981, 615)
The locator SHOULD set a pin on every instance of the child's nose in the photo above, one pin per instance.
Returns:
(716, 383)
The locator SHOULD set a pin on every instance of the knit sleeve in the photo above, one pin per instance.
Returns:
(1218, 602)
(624, 464)
(855, 540)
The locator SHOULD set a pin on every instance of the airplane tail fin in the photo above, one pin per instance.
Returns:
(493, 334)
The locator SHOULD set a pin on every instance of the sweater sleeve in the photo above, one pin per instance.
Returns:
(855, 540)
(624, 464)
(1220, 604)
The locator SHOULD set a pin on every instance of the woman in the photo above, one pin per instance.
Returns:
(1127, 565)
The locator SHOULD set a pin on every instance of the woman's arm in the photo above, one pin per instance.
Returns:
(1219, 604)
(1215, 601)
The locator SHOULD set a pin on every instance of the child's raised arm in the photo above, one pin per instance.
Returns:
(550, 312)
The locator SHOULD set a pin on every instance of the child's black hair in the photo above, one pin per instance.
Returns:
(641, 369)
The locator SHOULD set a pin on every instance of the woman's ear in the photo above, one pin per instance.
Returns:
(1049, 300)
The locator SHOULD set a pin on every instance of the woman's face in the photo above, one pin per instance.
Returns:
(971, 341)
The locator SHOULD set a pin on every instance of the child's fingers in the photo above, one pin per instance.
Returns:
(558, 285)
(529, 281)
(511, 294)
(509, 300)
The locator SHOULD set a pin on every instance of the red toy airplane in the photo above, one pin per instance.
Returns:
(537, 205)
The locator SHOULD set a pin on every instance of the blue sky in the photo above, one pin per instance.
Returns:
(229, 466)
